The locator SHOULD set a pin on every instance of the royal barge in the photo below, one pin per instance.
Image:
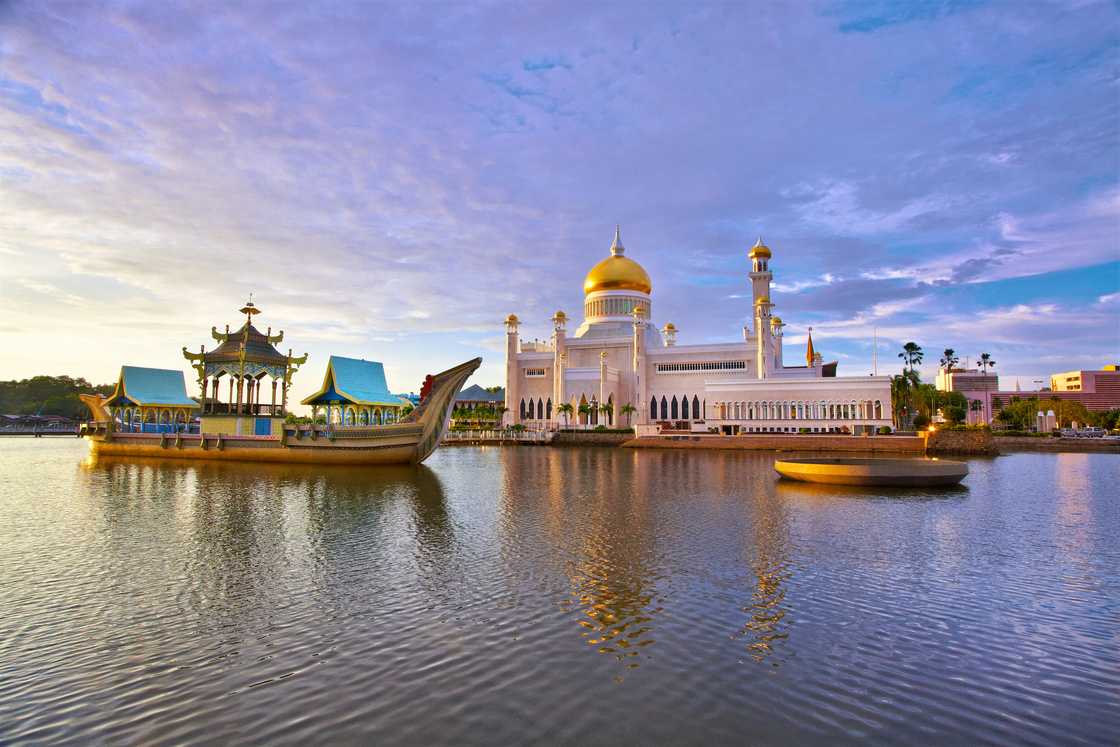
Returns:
(150, 415)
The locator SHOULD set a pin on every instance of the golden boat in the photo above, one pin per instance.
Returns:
(412, 439)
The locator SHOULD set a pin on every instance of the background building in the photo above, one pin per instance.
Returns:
(1098, 390)
(619, 368)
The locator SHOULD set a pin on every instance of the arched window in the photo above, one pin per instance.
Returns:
(653, 408)
(664, 408)
(673, 408)
(684, 408)
(548, 409)
(696, 408)
(878, 410)
(540, 410)
(522, 411)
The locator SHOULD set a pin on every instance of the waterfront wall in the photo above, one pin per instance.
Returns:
(970, 443)
(590, 438)
(912, 445)
(1076, 445)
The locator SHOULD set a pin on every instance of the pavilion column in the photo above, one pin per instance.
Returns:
(273, 397)
(205, 386)
(229, 406)
(240, 393)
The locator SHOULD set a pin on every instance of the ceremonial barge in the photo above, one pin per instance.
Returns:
(150, 415)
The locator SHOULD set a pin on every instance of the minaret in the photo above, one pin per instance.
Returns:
(559, 356)
(760, 292)
(639, 366)
(763, 337)
(669, 334)
(513, 379)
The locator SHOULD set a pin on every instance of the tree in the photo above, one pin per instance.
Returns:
(921, 421)
(976, 405)
(606, 409)
(628, 410)
(954, 414)
(985, 362)
(911, 355)
(949, 359)
(565, 409)
(585, 410)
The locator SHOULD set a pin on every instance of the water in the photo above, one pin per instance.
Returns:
(537, 595)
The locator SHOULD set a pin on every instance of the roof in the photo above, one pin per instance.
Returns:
(151, 386)
(475, 393)
(257, 348)
(356, 381)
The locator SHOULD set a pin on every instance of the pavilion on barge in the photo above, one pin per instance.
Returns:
(355, 392)
(245, 358)
(151, 400)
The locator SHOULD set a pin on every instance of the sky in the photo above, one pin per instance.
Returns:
(390, 181)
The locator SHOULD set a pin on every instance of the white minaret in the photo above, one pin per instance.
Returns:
(513, 379)
(639, 365)
(760, 293)
(559, 358)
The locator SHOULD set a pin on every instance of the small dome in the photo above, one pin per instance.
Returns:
(559, 315)
(761, 300)
(759, 250)
(512, 319)
(617, 272)
(670, 327)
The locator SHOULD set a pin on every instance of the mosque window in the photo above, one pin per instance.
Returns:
(684, 407)
(664, 409)
(653, 408)
(674, 408)
(548, 409)
(522, 410)
(535, 372)
(540, 410)
(689, 366)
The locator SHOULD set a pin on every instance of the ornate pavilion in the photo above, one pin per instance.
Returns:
(150, 400)
(245, 358)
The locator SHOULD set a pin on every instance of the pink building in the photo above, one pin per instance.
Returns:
(1097, 390)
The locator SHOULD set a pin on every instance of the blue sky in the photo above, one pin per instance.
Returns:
(391, 181)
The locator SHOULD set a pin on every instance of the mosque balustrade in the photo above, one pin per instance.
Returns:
(793, 412)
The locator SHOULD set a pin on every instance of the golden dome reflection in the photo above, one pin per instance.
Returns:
(617, 272)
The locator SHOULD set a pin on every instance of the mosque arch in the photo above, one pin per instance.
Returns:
(548, 409)
(673, 408)
(540, 409)
(521, 410)
(695, 407)
(684, 407)
(653, 408)
(664, 408)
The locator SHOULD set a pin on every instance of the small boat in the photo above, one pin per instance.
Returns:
(409, 440)
(869, 471)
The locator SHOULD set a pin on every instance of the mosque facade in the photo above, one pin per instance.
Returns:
(617, 368)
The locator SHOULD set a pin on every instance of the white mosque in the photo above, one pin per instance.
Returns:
(617, 357)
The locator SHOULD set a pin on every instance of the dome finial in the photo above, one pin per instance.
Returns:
(616, 246)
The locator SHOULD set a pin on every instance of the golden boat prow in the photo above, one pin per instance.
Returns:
(410, 440)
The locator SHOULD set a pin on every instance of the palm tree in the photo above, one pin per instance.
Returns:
(565, 409)
(949, 359)
(606, 409)
(985, 362)
(628, 410)
(976, 405)
(585, 410)
(911, 355)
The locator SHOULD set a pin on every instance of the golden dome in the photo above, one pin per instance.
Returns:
(670, 327)
(559, 315)
(759, 250)
(761, 300)
(512, 319)
(617, 272)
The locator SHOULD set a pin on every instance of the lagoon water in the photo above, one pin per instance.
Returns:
(541, 595)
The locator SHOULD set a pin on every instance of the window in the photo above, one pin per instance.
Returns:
(674, 408)
(684, 408)
(522, 409)
(653, 408)
(548, 409)
(696, 408)
(535, 372)
(664, 409)
(689, 366)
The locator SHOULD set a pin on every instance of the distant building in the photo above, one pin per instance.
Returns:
(476, 396)
(1098, 390)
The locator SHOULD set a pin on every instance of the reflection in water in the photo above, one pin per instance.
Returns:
(500, 595)
(766, 624)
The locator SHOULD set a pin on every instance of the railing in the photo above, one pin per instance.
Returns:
(223, 408)
(498, 435)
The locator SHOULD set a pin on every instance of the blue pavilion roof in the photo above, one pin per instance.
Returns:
(355, 381)
(151, 386)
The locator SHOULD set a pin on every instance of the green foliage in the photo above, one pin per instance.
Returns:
(48, 395)
(921, 421)
(954, 414)
(1021, 414)
(884, 430)
(1108, 419)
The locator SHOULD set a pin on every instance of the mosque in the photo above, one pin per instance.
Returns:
(618, 369)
